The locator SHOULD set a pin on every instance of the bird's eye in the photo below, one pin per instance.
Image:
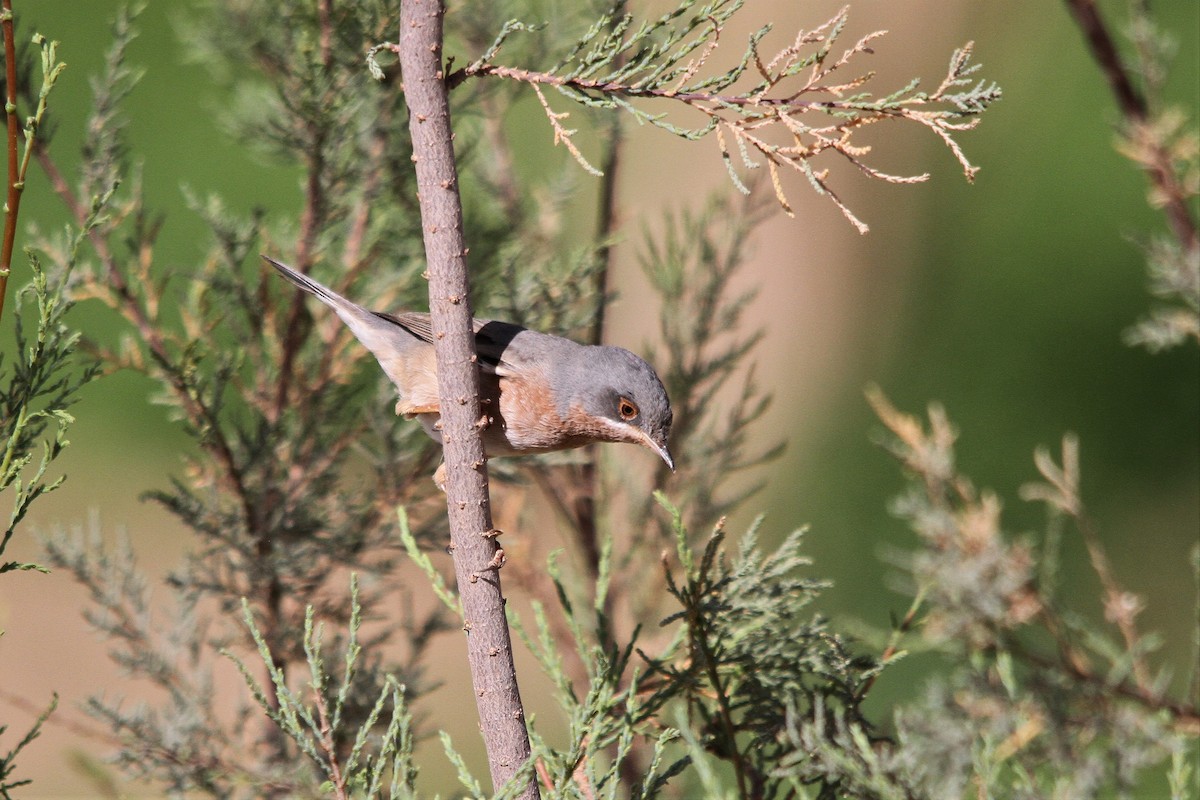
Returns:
(627, 409)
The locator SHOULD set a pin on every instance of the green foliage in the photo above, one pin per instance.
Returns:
(745, 665)
(610, 715)
(44, 382)
(1174, 280)
(296, 465)
(706, 345)
(352, 766)
(176, 741)
(758, 663)
(1161, 139)
(44, 377)
(1032, 683)
(743, 660)
(7, 761)
(45, 374)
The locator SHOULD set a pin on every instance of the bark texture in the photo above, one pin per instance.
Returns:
(476, 553)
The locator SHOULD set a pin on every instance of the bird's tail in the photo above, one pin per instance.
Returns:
(323, 293)
(383, 337)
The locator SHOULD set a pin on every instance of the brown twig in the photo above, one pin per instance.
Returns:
(1136, 109)
(329, 746)
(701, 647)
(501, 165)
(15, 184)
(313, 210)
(1061, 492)
(533, 77)
(1120, 606)
(1074, 666)
(607, 221)
(740, 118)
(310, 218)
(149, 332)
(1130, 101)
(68, 723)
(198, 762)
(893, 646)
(352, 251)
(325, 25)
(60, 186)
(270, 592)
(489, 646)
(587, 476)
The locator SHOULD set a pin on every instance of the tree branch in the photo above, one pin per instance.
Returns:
(477, 557)
(13, 201)
(1136, 110)
(596, 73)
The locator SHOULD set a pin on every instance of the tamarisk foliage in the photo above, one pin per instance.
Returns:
(42, 377)
(1034, 684)
(1162, 141)
(296, 463)
(785, 109)
(683, 662)
(351, 768)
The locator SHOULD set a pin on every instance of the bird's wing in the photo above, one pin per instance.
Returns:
(416, 323)
(492, 339)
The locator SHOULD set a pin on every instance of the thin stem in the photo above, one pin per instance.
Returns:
(1074, 665)
(325, 23)
(583, 510)
(15, 183)
(603, 87)
(1136, 110)
(607, 222)
(500, 165)
(310, 219)
(898, 633)
(313, 211)
(726, 713)
(152, 335)
(1120, 606)
(328, 745)
(63, 720)
(1129, 100)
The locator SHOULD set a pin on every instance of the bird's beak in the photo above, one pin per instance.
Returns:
(658, 443)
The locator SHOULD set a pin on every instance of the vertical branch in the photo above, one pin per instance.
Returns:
(271, 589)
(606, 225)
(1120, 607)
(583, 509)
(606, 215)
(13, 200)
(311, 218)
(477, 558)
(584, 506)
(1135, 108)
(1129, 100)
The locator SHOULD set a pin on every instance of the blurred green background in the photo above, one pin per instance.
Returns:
(1005, 300)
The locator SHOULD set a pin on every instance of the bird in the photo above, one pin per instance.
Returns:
(539, 392)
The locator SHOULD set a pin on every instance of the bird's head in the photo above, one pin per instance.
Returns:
(622, 399)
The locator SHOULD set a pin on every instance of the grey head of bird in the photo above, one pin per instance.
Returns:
(619, 395)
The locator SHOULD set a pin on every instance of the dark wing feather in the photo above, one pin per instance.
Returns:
(492, 339)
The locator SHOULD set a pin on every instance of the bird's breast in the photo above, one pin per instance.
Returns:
(522, 417)
(528, 419)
